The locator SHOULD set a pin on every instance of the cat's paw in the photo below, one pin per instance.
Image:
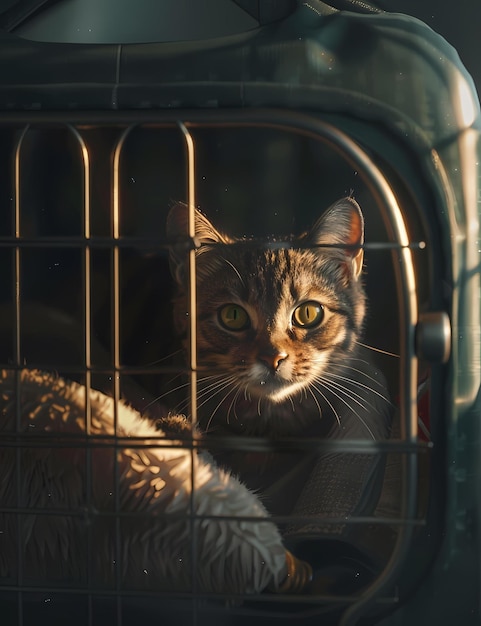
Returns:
(177, 427)
(299, 575)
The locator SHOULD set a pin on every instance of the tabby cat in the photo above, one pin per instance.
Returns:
(279, 325)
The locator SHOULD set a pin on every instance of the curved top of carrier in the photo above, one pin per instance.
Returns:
(379, 65)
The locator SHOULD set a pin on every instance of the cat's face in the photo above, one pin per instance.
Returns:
(272, 319)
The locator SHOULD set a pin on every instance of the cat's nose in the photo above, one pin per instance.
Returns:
(272, 360)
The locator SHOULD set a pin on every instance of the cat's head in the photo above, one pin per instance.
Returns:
(274, 316)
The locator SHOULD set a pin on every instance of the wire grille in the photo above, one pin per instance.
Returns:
(100, 240)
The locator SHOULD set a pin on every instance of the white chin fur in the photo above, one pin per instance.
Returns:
(261, 385)
(279, 395)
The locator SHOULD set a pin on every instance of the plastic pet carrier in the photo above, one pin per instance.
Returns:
(167, 184)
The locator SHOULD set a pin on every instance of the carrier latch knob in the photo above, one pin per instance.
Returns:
(433, 337)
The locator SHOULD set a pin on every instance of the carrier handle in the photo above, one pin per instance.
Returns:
(268, 11)
(264, 11)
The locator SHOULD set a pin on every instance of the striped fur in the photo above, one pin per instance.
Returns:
(273, 377)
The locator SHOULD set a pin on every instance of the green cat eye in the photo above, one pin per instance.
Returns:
(308, 314)
(234, 317)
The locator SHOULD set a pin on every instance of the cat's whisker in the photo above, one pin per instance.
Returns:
(246, 397)
(358, 371)
(211, 376)
(164, 358)
(218, 406)
(236, 271)
(206, 392)
(212, 415)
(220, 383)
(175, 389)
(315, 399)
(356, 383)
(386, 352)
(232, 404)
(328, 402)
(163, 395)
(343, 366)
(214, 390)
(334, 388)
(351, 360)
(349, 393)
(336, 362)
(181, 406)
(203, 391)
(259, 407)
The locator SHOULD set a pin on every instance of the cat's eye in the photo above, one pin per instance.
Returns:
(308, 314)
(234, 317)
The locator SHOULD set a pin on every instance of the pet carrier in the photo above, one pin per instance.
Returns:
(116, 504)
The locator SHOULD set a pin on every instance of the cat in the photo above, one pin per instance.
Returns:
(279, 328)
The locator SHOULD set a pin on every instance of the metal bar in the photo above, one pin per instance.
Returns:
(87, 353)
(192, 289)
(17, 361)
(182, 595)
(192, 294)
(156, 244)
(85, 247)
(346, 447)
(116, 356)
(277, 519)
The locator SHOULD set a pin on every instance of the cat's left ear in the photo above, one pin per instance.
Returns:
(178, 228)
(342, 225)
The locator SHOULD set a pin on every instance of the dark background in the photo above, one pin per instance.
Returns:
(458, 22)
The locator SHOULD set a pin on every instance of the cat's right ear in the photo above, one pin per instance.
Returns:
(177, 229)
(342, 224)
